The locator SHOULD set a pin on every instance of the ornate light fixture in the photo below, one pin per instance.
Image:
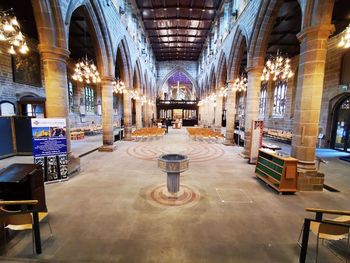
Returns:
(223, 92)
(10, 32)
(277, 66)
(345, 39)
(135, 95)
(86, 71)
(241, 83)
(118, 86)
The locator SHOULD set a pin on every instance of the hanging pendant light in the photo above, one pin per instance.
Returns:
(241, 83)
(345, 39)
(118, 86)
(278, 67)
(10, 32)
(86, 71)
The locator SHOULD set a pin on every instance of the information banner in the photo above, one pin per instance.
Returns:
(256, 140)
(50, 147)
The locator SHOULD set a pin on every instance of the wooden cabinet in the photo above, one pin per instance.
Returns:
(277, 171)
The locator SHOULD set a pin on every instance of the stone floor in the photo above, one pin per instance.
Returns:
(104, 214)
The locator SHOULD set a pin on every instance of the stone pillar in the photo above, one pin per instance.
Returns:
(127, 115)
(218, 112)
(252, 105)
(313, 49)
(55, 74)
(138, 105)
(107, 114)
(211, 111)
(230, 113)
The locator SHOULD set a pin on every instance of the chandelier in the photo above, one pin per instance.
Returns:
(241, 83)
(118, 86)
(345, 39)
(223, 92)
(86, 71)
(277, 66)
(135, 95)
(10, 32)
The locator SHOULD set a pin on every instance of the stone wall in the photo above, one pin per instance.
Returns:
(10, 90)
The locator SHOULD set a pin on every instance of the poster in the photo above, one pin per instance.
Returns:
(256, 140)
(50, 147)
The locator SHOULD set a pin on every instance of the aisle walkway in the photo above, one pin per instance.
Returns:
(104, 214)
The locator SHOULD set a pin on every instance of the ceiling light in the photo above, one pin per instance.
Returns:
(10, 32)
(279, 67)
(86, 71)
(345, 39)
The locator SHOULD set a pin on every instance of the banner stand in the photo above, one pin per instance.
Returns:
(50, 148)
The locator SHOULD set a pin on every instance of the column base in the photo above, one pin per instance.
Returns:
(73, 165)
(244, 154)
(309, 179)
(107, 148)
(228, 143)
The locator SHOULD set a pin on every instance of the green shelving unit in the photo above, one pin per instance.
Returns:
(277, 171)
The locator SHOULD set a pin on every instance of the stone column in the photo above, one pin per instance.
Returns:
(56, 88)
(138, 114)
(218, 112)
(211, 112)
(107, 114)
(127, 115)
(313, 49)
(252, 105)
(230, 113)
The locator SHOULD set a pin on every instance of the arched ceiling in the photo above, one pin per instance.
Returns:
(177, 29)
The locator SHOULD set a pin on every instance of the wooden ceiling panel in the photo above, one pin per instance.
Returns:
(177, 29)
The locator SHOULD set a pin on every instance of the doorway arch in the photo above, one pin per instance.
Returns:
(340, 139)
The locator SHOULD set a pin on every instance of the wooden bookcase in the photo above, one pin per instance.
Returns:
(278, 172)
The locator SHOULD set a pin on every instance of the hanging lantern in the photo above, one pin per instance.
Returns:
(10, 32)
(241, 83)
(86, 71)
(345, 39)
(278, 67)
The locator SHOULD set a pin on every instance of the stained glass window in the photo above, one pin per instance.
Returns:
(279, 99)
(89, 99)
(71, 96)
(262, 105)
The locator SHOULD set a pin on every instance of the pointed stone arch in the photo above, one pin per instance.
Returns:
(123, 52)
(137, 77)
(97, 29)
(222, 71)
(188, 75)
(236, 53)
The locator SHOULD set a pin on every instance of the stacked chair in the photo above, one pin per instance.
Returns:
(144, 134)
(205, 134)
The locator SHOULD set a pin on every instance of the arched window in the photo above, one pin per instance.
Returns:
(71, 96)
(262, 105)
(279, 99)
(7, 109)
(89, 99)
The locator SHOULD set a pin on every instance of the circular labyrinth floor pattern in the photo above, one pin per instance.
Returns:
(158, 196)
(197, 152)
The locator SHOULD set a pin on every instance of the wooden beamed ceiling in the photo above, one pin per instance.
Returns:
(177, 29)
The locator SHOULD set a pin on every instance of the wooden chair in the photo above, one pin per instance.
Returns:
(327, 229)
(24, 216)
